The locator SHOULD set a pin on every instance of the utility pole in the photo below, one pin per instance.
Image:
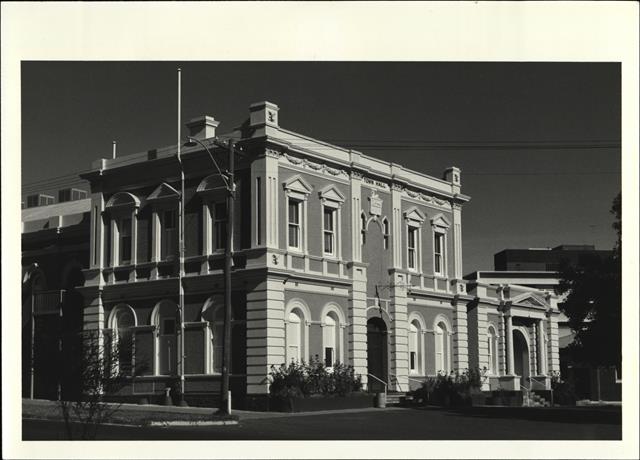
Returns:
(225, 403)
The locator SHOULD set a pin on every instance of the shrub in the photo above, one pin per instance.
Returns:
(449, 389)
(564, 392)
(305, 379)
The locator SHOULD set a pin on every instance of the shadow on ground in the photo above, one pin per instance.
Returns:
(611, 415)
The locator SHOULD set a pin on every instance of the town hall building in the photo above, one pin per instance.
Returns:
(337, 256)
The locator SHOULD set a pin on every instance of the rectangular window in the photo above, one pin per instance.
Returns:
(328, 228)
(294, 224)
(293, 341)
(438, 247)
(385, 225)
(125, 240)
(412, 357)
(169, 234)
(219, 226)
(412, 237)
(328, 357)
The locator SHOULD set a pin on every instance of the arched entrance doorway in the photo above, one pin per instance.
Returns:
(521, 362)
(377, 353)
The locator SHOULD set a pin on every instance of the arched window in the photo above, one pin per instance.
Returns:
(385, 231)
(414, 349)
(122, 320)
(294, 336)
(165, 318)
(442, 348)
(215, 349)
(330, 336)
(492, 349)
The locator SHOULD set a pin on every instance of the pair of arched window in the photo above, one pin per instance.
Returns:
(120, 347)
(442, 348)
(417, 347)
(297, 336)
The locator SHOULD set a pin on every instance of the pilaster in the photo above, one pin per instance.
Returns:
(396, 223)
(265, 334)
(461, 336)
(399, 338)
(553, 352)
(356, 207)
(357, 348)
(457, 241)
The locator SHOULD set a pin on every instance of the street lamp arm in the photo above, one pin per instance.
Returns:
(192, 141)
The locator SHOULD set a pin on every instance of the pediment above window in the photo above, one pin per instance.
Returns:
(297, 187)
(164, 192)
(413, 215)
(123, 200)
(332, 194)
(529, 299)
(440, 221)
(212, 183)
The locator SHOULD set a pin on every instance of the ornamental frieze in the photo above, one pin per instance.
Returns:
(308, 164)
(419, 196)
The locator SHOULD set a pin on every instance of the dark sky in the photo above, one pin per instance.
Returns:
(538, 143)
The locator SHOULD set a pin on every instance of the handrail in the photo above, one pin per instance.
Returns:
(381, 381)
(397, 381)
(544, 384)
(408, 378)
(527, 392)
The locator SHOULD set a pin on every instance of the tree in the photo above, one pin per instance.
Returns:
(594, 303)
(100, 375)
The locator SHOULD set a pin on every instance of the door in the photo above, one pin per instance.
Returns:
(521, 358)
(167, 345)
(376, 353)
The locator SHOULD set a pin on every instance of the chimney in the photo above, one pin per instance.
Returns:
(263, 113)
(452, 175)
(203, 127)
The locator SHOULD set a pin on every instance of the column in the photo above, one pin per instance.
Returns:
(509, 337)
(357, 348)
(542, 361)
(265, 334)
(399, 339)
(534, 350)
(502, 345)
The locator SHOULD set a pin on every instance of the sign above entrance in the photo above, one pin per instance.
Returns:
(375, 204)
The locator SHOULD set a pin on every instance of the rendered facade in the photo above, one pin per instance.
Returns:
(336, 255)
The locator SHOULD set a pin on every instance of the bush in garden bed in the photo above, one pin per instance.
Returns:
(454, 389)
(301, 379)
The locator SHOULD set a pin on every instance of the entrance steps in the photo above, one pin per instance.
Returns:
(397, 398)
(535, 400)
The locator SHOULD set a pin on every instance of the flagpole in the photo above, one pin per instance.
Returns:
(181, 249)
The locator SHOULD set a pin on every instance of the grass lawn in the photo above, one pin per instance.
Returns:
(121, 414)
